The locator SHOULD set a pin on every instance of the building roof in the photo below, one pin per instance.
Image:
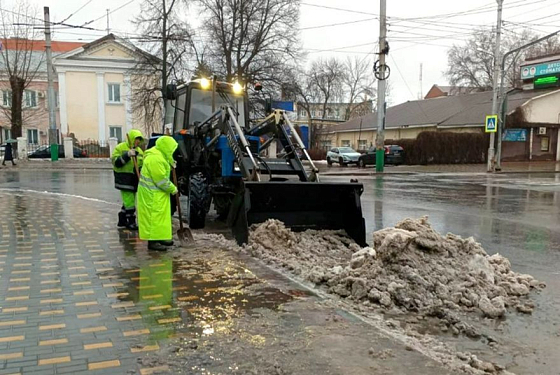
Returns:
(436, 89)
(39, 45)
(444, 112)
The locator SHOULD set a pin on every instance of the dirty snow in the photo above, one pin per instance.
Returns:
(411, 267)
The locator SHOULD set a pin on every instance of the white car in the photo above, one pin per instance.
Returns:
(343, 156)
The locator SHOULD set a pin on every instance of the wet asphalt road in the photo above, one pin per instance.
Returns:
(517, 215)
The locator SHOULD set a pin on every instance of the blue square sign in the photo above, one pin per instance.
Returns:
(491, 123)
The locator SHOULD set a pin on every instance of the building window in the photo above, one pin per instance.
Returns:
(116, 132)
(30, 99)
(345, 143)
(6, 98)
(313, 114)
(6, 134)
(545, 141)
(32, 136)
(326, 145)
(362, 144)
(114, 93)
(337, 113)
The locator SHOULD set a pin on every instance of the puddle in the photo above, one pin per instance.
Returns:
(198, 297)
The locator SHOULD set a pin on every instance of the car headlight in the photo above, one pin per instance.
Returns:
(345, 157)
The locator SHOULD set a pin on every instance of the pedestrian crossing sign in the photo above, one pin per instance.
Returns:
(491, 123)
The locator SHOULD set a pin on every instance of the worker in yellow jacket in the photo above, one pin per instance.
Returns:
(154, 190)
(126, 179)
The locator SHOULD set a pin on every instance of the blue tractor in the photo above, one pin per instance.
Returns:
(226, 162)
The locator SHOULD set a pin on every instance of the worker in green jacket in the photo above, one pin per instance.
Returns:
(154, 190)
(126, 179)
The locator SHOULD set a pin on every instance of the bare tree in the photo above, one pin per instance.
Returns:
(328, 77)
(358, 84)
(167, 39)
(21, 59)
(251, 40)
(471, 64)
(300, 87)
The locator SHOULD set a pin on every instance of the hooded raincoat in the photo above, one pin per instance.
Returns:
(154, 189)
(123, 167)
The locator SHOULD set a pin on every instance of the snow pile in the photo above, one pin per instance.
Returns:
(413, 268)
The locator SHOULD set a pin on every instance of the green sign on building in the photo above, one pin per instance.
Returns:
(538, 70)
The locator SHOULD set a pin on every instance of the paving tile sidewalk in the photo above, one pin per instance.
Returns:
(72, 295)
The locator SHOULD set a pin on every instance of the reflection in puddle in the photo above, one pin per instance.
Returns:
(199, 297)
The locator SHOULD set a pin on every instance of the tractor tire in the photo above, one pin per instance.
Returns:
(342, 163)
(329, 161)
(198, 200)
(361, 163)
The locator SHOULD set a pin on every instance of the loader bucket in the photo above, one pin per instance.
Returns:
(300, 206)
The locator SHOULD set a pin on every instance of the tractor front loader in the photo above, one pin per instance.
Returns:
(222, 160)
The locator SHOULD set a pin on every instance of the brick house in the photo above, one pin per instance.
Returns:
(35, 111)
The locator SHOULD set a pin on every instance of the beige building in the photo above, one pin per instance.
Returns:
(95, 85)
(532, 130)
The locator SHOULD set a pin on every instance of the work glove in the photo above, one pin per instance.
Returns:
(132, 153)
(174, 165)
(175, 192)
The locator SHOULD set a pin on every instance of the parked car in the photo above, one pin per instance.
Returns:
(394, 154)
(44, 152)
(342, 156)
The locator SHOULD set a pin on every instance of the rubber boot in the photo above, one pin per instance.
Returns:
(131, 220)
(122, 219)
(156, 246)
(166, 243)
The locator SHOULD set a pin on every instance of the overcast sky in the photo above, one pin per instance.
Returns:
(420, 32)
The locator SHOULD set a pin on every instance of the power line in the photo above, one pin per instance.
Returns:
(339, 9)
(107, 14)
(530, 11)
(74, 13)
(409, 90)
(336, 24)
(339, 48)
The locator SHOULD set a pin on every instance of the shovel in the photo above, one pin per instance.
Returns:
(184, 234)
(135, 161)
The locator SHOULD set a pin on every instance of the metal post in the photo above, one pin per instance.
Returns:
(421, 93)
(381, 86)
(516, 51)
(497, 59)
(53, 135)
(108, 29)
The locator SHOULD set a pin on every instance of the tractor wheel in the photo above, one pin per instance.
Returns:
(329, 161)
(361, 163)
(342, 163)
(198, 200)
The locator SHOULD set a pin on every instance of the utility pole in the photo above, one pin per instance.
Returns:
(495, 88)
(421, 93)
(108, 29)
(381, 87)
(53, 134)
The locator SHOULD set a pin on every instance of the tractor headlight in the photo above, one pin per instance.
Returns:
(237, 88)
(204, 83)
